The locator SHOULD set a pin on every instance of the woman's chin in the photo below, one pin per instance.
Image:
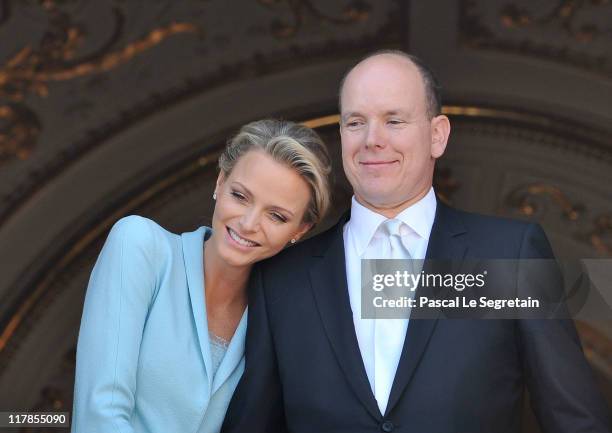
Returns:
(235, 254)
(237, 259)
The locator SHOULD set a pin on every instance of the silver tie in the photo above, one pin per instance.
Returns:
(389, 334)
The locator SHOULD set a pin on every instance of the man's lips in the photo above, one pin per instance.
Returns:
(376, 163)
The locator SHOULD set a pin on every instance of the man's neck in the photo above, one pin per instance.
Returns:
(392, 210)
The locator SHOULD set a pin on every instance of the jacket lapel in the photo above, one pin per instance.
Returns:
(234, 355)
(193, 254)
(329, 284)
(446, 243)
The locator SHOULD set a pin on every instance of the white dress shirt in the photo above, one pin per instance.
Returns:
(360, 234)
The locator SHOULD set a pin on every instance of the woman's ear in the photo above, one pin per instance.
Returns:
(304, 227)
(220, 180)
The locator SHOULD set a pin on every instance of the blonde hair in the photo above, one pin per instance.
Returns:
(293, 145)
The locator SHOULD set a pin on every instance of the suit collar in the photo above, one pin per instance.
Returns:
(329, 285)
(446, 242)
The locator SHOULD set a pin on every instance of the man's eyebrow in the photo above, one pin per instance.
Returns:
(395, 112)
(351, 114)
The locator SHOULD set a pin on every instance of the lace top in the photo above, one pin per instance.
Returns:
(218, 347)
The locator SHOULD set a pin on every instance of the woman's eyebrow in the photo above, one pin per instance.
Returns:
(250, 194)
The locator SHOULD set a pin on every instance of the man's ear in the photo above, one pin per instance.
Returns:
(440, 130)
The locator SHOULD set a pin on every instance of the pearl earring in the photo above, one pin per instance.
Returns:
(293, 240)
(214, 195)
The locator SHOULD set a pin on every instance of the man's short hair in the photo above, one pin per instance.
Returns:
(430, 82)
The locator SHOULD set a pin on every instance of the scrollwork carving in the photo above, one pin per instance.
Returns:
(31, 70)
(601, 234)
(19, 130)
(528, 201)
(575, 32)
(597, 346)
(562, 15)
(354, 11)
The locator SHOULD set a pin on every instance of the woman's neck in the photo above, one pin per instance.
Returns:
(225, 284)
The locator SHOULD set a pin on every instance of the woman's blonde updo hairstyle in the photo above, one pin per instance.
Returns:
(293, 145)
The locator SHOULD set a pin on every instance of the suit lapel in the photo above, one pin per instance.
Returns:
(329, 284)
(445, 242)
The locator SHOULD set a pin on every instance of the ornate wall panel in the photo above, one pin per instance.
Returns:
(75, 72)
(121, 107)
(523, 168)
(566, 31)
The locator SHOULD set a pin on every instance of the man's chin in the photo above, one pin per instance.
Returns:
(385, 202)
(377, 200)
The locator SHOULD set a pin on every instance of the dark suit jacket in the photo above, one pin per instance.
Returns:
(304, 371)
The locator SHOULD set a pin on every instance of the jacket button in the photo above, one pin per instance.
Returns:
(387, 426)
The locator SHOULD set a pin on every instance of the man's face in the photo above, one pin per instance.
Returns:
(389, 145)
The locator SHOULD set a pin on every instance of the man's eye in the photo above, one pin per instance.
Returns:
(395, 122)
(354, 124)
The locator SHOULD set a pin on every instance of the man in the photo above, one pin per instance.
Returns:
(315, 365)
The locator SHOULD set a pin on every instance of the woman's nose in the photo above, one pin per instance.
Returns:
(250, 221)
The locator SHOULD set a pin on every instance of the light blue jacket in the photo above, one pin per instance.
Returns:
(143, 355)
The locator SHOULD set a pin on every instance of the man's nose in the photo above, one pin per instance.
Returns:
(375, 136)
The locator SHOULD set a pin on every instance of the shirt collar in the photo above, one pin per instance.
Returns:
(420, 216)
(364, 222)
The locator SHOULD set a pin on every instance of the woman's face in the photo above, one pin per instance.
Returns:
(259, 209)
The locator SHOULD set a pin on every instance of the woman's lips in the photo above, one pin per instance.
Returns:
(239, 240)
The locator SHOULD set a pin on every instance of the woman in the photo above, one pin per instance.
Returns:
(161, 343)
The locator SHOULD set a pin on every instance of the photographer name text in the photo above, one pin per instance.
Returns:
(457, 302)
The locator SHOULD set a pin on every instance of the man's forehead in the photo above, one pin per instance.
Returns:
(385, 71)
(387, 59)
(391, 65)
